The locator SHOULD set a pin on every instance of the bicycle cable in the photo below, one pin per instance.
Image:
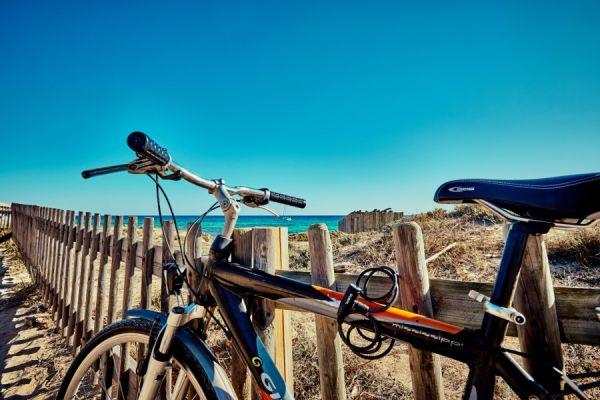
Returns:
(159, 189)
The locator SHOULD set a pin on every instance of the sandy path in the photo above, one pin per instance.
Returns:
(33, 357)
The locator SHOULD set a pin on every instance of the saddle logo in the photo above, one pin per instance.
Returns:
(460, 189)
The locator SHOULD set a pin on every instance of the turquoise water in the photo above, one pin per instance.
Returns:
(213, 223)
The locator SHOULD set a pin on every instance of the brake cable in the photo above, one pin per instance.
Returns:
(159, 189)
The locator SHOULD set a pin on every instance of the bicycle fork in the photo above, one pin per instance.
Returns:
(160, 354)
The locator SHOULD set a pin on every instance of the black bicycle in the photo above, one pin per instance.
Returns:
(166, 356)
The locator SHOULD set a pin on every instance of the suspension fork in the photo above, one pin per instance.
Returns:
(160, 355)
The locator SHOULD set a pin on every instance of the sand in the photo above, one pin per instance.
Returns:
(33, 356)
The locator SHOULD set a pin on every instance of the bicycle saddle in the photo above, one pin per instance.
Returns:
(573, 197)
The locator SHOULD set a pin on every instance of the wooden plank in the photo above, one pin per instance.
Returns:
(329, 347)
(60, 223)
(534, 297)
(102, 292)
(168, 249)
(147, 263)
(45, 226)
(118, 246)
(193, 253)
(67, 273)
(83, 282)
(282, 322)
(48, 258)
(87, 325)
(76, 279)
(61, 267)
(128, 288)
(266, 255)
(240, 375)
(130, 262)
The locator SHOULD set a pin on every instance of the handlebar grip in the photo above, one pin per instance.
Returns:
(144, 146)
(90, 173)
(285, 199)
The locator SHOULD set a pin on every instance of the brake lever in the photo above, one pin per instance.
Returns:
(247, 201)
(140, 166)
(275, 213)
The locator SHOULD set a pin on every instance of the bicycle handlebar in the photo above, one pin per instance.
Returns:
(152, 155)
(90, 173)
(145, 147)
(285, 199)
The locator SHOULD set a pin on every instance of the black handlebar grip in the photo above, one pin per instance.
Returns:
(90, 173)
(285, 199)
(148, 148)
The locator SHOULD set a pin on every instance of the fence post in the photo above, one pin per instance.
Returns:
(101, 293)
(57, 257)
(329, 348)
(168, 254)
(87, 323)
(83, 282)
(115, 270)
(426, 372)
(264, 249)
(147, 262)
(76, 273)
(240, 375)
(266, 256)
(60, 302)
(534, 297)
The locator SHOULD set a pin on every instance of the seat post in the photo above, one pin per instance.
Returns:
(493, 328)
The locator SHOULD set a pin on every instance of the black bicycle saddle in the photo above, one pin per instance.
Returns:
(573, 197)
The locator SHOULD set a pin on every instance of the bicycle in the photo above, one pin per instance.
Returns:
(175, 362)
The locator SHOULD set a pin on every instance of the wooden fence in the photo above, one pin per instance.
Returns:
(364, 221)
(77, 263)
(4, 216)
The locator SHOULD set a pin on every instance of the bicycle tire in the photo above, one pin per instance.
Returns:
(198, 376)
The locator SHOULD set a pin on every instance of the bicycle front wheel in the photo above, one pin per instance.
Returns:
(106, 368)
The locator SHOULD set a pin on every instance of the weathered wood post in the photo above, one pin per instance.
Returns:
(57, 257)
(101, 293)
(268, 253)
(87, 322)
(426, 372)
(76, 276)
(240, 375)
(264, 249)
(147, 262)
(534, 297)
(329, 348)
(193, 253)
(83, 282)
(168, 253)
(67, 237)
(115, 270)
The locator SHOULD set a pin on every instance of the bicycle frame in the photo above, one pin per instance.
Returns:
(227, 284)
(480, 349)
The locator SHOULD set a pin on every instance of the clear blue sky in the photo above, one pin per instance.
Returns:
(350, 104)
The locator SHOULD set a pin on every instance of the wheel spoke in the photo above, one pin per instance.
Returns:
(108, 372)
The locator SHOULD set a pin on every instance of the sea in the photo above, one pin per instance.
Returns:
(212, 224)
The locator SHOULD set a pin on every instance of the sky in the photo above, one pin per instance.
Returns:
(349, 104)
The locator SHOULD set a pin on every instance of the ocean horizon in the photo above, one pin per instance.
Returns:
(212, 224)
